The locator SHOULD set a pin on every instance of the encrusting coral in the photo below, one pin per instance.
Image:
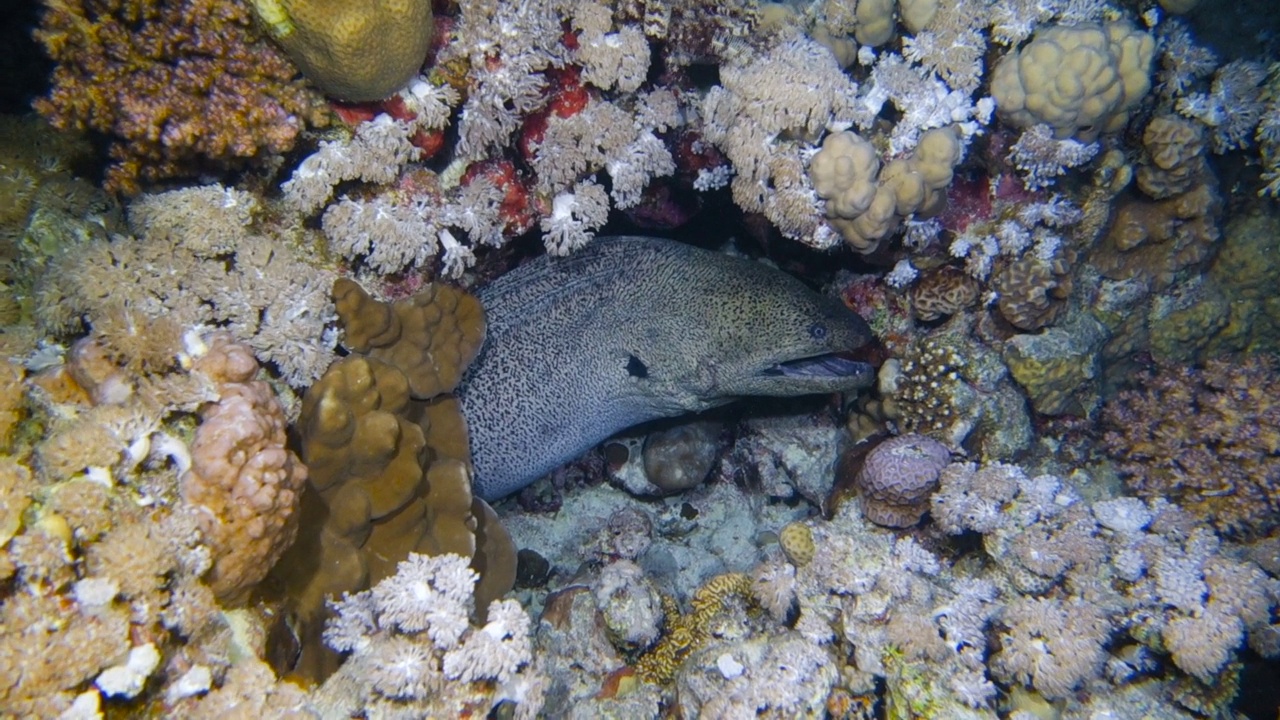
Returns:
(389, 447)
(176, 86)
(360, 51)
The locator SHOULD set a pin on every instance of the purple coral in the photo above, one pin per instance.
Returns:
(898, 477)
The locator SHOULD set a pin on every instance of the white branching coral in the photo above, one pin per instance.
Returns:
(388, 236)
(1041, 158)
(1013, 21)
(574, 218)
(609, 58)
(375, 155)
(134, 287)
(507, 45)
(759, 114)
(414, 652)
(1051, 644)
(902, 274)
(948, 39)
(1182, 62)
(632, 168)
(1233, 106)
(924, 101)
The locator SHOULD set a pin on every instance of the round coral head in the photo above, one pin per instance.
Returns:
(354, 51)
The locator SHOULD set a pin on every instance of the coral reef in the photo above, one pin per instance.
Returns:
(1223, 467)
(1020, 258)
(176, 86)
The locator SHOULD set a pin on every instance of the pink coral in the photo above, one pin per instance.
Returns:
(897, 478)
(242, 479)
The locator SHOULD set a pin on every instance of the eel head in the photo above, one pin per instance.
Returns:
(807, 345)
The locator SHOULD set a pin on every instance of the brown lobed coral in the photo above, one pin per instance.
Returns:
(389, 448)
(1207, 439)
(1033, 292)
(175, 84)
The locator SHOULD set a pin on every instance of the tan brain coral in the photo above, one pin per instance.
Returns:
(352, 50)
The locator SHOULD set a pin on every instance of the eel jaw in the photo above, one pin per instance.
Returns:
(828, 366)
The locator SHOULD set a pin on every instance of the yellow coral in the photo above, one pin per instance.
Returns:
(685, 633)
(352, 50)
(866, 204)
(796, 540)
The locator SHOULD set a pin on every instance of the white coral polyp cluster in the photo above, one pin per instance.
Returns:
(414, 651)
(1081, 80)
(574, 218)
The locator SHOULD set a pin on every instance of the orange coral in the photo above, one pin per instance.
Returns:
(175, 83)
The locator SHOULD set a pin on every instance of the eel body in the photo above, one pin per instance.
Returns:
(630, 329)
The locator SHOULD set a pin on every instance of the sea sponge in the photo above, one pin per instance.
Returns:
(1081, 80)
(897, 478)
(352, 51)
(392, 457)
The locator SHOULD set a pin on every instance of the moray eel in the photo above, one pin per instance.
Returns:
(631, 329)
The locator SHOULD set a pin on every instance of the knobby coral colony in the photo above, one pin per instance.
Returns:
(232, 452)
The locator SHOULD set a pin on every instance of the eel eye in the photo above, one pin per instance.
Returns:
(636, 367)
(818, 331)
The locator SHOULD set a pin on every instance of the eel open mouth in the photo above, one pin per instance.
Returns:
(830, 365)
